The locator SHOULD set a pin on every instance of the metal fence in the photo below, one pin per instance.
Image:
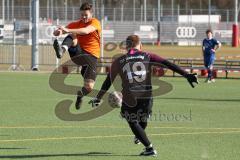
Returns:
(21, 59)
(114, 14)
(173, 32)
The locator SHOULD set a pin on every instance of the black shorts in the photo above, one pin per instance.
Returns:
(86, 60)
(141, 112)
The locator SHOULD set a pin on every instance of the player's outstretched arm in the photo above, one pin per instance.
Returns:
(82, 31)
(60, 31)
(191, 77)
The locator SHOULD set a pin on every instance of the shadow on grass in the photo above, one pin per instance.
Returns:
(202, 99)
(92, 154)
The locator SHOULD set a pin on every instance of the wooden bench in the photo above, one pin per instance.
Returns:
(190, 65)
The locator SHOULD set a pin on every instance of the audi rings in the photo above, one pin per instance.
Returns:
(186, 32)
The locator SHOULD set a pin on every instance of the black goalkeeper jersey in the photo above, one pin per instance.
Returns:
(134, 69)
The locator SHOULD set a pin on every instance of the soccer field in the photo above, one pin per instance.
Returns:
(187, 124)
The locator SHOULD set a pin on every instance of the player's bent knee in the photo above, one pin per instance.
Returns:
(89, 86)
(74, 38)
(75, 42)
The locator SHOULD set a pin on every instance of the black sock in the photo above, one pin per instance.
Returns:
(68, 41)
(139, 133)
(83, 92)
(209, 73)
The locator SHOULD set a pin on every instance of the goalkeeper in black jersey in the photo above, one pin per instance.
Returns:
(134, 69)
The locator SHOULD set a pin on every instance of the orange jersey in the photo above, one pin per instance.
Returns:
(89, 42)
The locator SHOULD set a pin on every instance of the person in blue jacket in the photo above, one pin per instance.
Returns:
(209, 47)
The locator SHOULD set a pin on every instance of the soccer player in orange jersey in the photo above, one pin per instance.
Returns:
(83, 44)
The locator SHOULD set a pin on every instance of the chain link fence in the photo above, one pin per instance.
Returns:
(113, 14)
(171, 32)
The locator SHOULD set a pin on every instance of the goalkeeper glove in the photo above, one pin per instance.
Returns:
(192, 78)
(95, 102)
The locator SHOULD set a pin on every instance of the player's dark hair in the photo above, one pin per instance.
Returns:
(132, 41)
(86, 6)
(209, 31)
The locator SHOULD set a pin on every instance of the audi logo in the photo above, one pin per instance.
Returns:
(186, 32)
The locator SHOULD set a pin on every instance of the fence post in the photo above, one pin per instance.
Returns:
(3, 11)
(14, 66)
(145, 10)
(73, 13)
(153, 14)
(102, 12)
(227, 16)
(191, 16)
(47, 9)
(186, 7)
(172, 8)
(134, 11)
(66, 9)
(200, 6)
(12, 9)
(161, 11)
(51, 9)
(114, 14)
(178, 10)
(158, 10)
(209, 13)
(35, 34)
(8, 6)
(159, 33)
(122, 12)
(94, 7)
